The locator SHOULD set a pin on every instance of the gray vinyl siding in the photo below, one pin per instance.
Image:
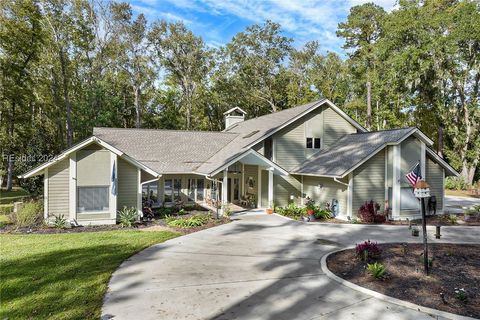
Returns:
(93, 168)
(58, 188)
(264, 189)
(369, 182)
(329, 190)
(410, 155)
(434, 177)
(284, 188)
(335, 127)
(290, 143)
(127, 185)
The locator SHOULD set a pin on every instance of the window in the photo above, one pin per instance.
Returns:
(177, 189)
(92, 199)
(191, 189)
(168, 191)
(200, 189)
(150, 191)
(309, 143)
(313, 143)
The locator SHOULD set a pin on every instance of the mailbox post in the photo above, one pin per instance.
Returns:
(422, 191)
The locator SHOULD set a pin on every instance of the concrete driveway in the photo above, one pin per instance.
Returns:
(257, 267)
(454, 204)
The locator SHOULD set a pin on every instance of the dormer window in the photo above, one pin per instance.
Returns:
(313, 143)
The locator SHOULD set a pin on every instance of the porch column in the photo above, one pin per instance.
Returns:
(270, 187)
(396, 189)
(225, 186)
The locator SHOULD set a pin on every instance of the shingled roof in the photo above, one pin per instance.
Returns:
(349, 151)
(166, 151)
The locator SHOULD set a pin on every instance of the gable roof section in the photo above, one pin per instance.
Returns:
(271, 123)
(352, 150)
(167, 151)
(82, 144)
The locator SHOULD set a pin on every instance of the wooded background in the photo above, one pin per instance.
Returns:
(67, 66)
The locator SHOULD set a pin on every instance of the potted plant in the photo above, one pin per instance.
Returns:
(415, 231)
(269, 210)
(310, 206)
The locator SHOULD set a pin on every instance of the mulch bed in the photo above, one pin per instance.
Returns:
(434, 220)
(157, 223)
(455, 266)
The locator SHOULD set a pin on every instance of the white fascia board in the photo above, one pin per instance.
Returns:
(442, 162)
(248, 152)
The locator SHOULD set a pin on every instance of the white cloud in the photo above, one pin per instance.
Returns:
(303, 19)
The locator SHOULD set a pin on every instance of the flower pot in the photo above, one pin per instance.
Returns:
(310, 212)
(269, 210)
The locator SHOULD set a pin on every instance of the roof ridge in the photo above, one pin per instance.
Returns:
(165, 130)
(277, 112)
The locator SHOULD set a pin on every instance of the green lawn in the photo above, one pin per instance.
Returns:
(17, 194)
(461, 193)
(63, 276)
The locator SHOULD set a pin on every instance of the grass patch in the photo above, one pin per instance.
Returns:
(461, 193)
(7, 197)
(64, 276)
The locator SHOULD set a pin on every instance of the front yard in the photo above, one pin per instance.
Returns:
(64, 276)
(396, 270)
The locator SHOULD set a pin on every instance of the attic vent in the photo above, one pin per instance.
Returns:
(250, 134)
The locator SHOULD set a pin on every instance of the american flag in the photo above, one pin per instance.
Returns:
(414, 175)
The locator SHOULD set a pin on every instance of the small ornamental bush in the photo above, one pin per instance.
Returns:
(127, 217)
(322, 214)
(367, 251)
(194, 221)
(292, 211)
(368, 213)
(30, 214)
(376, 269)
(60, 222)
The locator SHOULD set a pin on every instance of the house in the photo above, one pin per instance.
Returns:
(313, 150)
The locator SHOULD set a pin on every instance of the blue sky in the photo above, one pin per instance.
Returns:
(217, 21)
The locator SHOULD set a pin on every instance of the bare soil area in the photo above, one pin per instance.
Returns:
(454, 267)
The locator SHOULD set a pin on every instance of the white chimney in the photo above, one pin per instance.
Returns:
(233, 116)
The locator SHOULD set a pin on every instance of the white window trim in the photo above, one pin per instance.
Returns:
(45, 194)
(73, 186)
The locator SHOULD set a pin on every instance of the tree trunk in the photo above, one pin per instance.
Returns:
(468, 172)
(369, 105)
(66, 97)
(138, 111)
(10, 161)
(440, 140)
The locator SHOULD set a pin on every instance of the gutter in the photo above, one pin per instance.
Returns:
(336, 180)
(152, 180)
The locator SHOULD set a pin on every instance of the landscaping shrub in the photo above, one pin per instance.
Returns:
(227, 211)
(194, 221)
(6, 209)
(322, 214)
(165, 211)
(367, 251)
(368, 213)
(376, 269)
(60, 222)
(455, 183)
(292, 211)
(127, 217)
(30, 214)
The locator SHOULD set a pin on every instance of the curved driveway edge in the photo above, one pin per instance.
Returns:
(383, 297)
(257, 267)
